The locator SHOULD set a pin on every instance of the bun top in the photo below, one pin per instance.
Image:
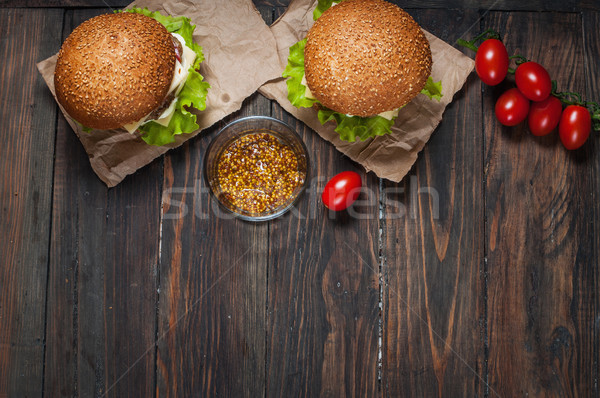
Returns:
(364, 57)
(114, 69)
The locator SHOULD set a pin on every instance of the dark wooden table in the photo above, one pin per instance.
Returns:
(477, 275)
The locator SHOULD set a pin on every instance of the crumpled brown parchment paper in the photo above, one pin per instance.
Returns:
(240, 56)
(389, 156)
(242, 53)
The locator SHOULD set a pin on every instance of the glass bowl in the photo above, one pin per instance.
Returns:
(256, 168)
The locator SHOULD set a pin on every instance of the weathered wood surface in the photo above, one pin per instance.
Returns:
(213, 283)
(485, 5)
(102, 290)
(213, 276)
(542, 249)
(475, 276)
(433, 248)
(28, 132)
(323, 289)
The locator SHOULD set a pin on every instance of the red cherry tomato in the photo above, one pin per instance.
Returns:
(575, 126)
(512, 107)
(342, 190)
(533, 81)
(491, 62)
(544, 116)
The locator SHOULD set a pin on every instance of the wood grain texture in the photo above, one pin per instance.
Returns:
(323, 314)
(213, 281)
(148, 289)
(588, 271)
(535, 5)
(79, 203)
(65, 4)
(539, 201)
(129, 283)
(323, 309)
(26, 158)
(103, 274)
(103, 3)
(433, 248)
(213, 284)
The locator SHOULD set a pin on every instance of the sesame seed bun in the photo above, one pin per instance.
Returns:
(364, 57)
(114, 69)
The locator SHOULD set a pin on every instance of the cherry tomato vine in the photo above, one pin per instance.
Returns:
(537, 94)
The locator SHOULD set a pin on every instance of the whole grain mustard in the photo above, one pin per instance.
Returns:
(258, 173)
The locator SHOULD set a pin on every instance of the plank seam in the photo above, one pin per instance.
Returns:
(381, 259)
(486, 349)
(267, 357)
(589, 89)
(157, 284)
(50, 226)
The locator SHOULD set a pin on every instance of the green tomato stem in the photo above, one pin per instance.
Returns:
(570, 98)
(519, 59)
(486, 34)
(467, 44)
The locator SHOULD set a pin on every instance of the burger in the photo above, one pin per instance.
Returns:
(361, 62)
(135, 70)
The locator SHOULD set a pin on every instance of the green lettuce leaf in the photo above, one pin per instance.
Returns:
(193, 93)
(181, 122)
(323, 6)
(432, 89)
(86, 129)
(352, 127)
(295, 72)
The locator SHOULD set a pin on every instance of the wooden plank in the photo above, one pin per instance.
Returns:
(102, 3)
(26, 159)
(212, 284)
(103, 274)
(74, 336)
(65, 3)
(588, 272)
(534, 5)
(541, 207)
(130, 286)
(486, 5)
(433, 296)
(213, 281)
(78, 197)
(323, 304)
(507, 5)
(323, 299)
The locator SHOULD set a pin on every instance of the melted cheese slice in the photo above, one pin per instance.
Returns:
(308, 94)
(179, 77)
(389, 115)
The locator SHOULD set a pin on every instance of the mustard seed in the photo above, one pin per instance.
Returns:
(258, 173)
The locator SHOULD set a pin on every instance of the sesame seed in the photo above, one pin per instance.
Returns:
(358, 69)
(87, 65)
